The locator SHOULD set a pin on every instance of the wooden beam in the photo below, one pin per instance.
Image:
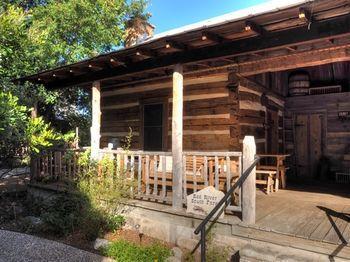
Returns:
(291, 48)
(252, 26)
(146, 52)
(96, 120)
(175, 45)
(249, 186)
(296, 60)
(305, 14)
(95, 65)
(177, 135)
(320, 31)
(212, 37)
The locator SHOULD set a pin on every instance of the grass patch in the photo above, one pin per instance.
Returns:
(125, 251)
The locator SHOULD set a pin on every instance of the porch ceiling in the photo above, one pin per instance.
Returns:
(271, 41)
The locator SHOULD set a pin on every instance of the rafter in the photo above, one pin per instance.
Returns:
(146, 52)
(305, 14)
(176, 45)
(212, 37)
(320, 31)
(252, 26)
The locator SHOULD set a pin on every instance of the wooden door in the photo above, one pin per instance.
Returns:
(301, 145)
(316, 141)
(153, 127)
(309, 143)
(272, 132)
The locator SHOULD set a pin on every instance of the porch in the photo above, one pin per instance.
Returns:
(299, 218)
(318, 212)
(314, 225)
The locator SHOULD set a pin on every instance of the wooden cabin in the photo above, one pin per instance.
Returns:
(279, 72)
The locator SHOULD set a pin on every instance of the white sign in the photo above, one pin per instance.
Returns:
(203, 201)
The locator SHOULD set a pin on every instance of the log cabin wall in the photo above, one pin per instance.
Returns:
(256, 105)
(337, 131)
(208, 122)
(215, 116)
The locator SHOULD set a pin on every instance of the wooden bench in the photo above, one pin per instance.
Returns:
(266, 177)
(195, 177)
(280, 176)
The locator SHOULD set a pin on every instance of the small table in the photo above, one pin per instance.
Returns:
(279, 167)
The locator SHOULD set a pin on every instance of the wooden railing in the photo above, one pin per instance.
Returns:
(55, 165)
(154, 176)
(152, 171)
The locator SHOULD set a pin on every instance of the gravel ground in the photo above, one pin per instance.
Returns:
(21, 247)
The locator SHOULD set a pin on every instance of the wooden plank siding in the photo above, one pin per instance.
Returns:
(207, 119)
(337, 144)
(253, 105)
(215, 117)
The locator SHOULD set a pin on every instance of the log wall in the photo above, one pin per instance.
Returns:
(253, 106)
(215, 117)
(337, 132)
(207, 118)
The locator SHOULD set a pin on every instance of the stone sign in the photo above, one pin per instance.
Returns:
(203, 201)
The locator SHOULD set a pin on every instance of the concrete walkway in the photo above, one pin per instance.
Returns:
(21, 247)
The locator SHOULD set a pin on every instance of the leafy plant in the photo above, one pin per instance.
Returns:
(115, 222)
(13, 118)
(36, 35)
(40, 135)
(125, 251)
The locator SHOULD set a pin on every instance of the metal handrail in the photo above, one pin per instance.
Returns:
(224, 200)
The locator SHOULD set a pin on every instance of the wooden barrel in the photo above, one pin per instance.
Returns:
(299, 83)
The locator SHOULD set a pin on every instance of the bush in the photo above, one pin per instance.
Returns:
(125, 251)
(67, 213)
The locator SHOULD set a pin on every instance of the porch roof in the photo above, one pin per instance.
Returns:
(274, 28)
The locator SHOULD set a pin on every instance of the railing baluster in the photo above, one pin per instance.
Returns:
(69, 160)
(51, 165)
(147, 167)
(206, 171)
(216, 172)
(194, 169)
(139, 174)
(126, 165)
(211, 173)
(184, 179)
(132, 173)
(240, 197)
(163, 177)
(228, 172)
(155, 174)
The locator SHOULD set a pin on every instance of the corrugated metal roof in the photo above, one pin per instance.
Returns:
(268, 7)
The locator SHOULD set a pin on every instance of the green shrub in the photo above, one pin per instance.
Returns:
(125, 251)
(115, 222)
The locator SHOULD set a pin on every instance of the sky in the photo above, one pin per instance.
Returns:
(170, 14)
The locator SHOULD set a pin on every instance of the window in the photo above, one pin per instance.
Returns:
(153, 127)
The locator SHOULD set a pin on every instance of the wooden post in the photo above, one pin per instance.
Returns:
(96, 120)
(177, 134)
(249, 187)
(33, 159)
(34, 112)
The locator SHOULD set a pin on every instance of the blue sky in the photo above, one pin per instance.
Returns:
(170, 14)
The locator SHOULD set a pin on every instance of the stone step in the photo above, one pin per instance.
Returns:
(270, 246)
(270, 252)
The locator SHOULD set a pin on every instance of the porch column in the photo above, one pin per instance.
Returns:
(249, 186)
(96, 119)
(177, 134)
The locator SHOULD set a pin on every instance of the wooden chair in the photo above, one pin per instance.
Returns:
(266, 177)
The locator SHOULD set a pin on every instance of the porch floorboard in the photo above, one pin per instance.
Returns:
(312, 215)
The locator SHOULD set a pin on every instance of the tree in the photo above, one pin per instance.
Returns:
(42, 34)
